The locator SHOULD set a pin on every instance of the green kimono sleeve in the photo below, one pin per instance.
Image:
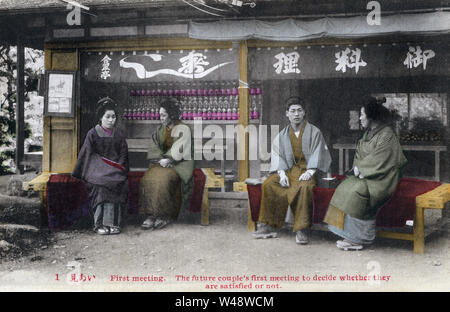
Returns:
(181, 152)
(376, 159)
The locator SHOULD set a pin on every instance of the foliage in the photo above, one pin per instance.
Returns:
(8, 79)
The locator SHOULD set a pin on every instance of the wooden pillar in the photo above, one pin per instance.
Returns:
(244, 111)
(61, 134)
(20, 104)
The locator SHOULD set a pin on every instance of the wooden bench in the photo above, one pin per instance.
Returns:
(433, 199)
(40, 184)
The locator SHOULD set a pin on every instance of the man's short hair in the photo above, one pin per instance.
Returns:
(294, 100)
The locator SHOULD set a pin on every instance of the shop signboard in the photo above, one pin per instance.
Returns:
(349, 61)
(157, 66)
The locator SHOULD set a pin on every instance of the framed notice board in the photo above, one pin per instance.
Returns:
(60, 93)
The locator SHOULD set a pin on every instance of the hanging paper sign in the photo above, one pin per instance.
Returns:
(161, 66)
(348, 61)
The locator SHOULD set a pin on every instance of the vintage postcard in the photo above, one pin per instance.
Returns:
(238, 147)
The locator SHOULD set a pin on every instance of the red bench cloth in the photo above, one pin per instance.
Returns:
(133, 191)
(254, 198)
(321, 199)
(397, 210)
(402, 204)
(67, 199)
(195, 204)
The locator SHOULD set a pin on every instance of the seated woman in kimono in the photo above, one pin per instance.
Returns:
(377, 168)
(167, 184)
(103, 165)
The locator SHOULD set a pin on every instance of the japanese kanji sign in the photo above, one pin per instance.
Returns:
(348, 61)
(165, 65)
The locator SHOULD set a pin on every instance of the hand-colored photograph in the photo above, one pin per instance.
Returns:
(213, 146)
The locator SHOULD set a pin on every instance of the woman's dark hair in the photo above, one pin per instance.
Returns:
(375, 110)
(172, 108)
(104, 105)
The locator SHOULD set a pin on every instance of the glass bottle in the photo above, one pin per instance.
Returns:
(258, 103)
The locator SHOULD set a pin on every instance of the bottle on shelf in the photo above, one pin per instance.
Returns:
(214, 112)
(125, 113)
(139, 106)
(229, 111)
(234, 101)
(134, 113)
(204, 112)
(220, 105)
(147, 105)
(127, 110)
(156, 114)
(258, 103)
(235, 111)
(183, 104)
(252, 101)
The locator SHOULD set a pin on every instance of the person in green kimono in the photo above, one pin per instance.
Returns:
(168, 183)
(377, 168)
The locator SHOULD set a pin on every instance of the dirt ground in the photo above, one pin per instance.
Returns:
(190, 257)
(223, 251)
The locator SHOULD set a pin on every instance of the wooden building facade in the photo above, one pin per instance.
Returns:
(250, 58)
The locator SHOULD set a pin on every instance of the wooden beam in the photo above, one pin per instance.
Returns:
(244, 112)
(20, 104)
(258, 43)
(142, 44)
(395, 235)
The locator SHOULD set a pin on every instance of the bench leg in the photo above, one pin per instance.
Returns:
(251, 223)
(205, 207)
(419, 231)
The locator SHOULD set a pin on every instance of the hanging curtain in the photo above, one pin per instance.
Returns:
(345, 27)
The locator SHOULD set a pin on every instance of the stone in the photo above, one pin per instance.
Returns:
(8, 250)
(14, 186)
(4, 245)
(24, 236)
(20, 210)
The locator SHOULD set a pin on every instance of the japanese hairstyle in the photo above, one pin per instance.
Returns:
(172, 108)
(104, 105)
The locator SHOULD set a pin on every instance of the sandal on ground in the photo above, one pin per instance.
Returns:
(264, 231)
(301, 237)
(102, 230)
(160, 223)
(114, 230)
(348, 245)
(149, 223)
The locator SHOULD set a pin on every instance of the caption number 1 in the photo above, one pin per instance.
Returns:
(57, 276)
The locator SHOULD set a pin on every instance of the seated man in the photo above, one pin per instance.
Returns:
(297, 152)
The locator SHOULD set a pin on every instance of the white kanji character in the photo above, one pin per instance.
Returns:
(415, 57)
(288, 63)
(193, 63)
(353, 61)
